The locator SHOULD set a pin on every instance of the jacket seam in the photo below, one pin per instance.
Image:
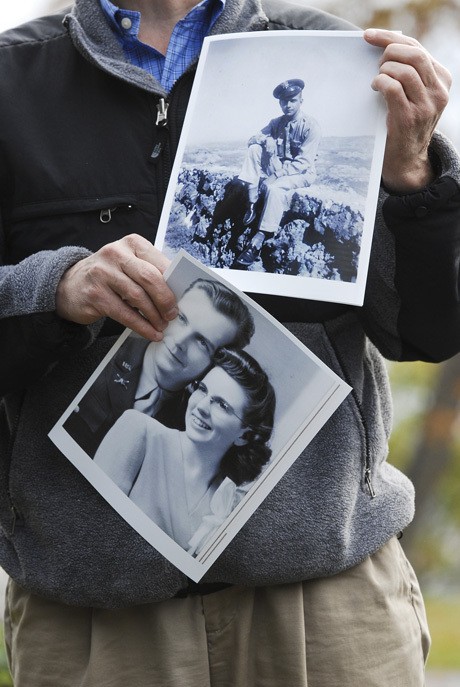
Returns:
(35, 41)
(123, 196)
(287, 27)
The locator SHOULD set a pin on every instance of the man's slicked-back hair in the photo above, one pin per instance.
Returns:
(228, 303)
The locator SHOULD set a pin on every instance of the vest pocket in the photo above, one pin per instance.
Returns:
(90, 223)
(9, 420)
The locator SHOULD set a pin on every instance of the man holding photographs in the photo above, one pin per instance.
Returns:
(315, 588)
(150, 376)
(279, 159)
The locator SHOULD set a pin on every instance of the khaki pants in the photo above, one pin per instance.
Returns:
(362, 628)
(278, 191)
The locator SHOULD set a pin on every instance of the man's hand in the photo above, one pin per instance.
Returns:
(121, 280)
(257, 140)
(415, 87)
(270, 145)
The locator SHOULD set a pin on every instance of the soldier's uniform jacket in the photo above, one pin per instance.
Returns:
(297, 142)
(111, 394)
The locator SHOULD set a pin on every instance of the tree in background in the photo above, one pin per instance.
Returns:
(426, 445)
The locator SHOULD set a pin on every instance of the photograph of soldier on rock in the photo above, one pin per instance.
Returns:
(279, 174)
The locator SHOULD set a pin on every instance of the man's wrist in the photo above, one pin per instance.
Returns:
(413, 178)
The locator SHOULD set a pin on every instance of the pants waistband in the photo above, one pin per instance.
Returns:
(194, 588)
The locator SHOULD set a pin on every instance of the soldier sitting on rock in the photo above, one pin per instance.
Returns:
(279, 159)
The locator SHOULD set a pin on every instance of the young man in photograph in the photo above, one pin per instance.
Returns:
(279, 159)
(315, 589)
(151, 376)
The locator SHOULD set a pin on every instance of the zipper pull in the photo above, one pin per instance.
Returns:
(106, 215)
(161, 123)
(16, 520)
(162, 113)
(156, 151)
(367, 479)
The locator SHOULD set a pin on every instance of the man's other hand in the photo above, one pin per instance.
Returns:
(270, 145)
(415, 87)
(123, 280)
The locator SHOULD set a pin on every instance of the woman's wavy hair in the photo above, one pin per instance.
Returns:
(244, 463)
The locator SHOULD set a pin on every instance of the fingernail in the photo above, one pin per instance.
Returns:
(370, 33)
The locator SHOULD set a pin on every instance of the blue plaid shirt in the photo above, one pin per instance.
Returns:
(184, 45)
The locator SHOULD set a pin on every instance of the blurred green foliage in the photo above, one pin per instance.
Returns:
(443, 619)
(5, 678)
(411, 385)
(433, 541)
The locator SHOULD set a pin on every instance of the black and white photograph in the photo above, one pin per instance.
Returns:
(185, 437)
(276, 178)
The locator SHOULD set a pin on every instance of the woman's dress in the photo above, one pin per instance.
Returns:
(146, 461)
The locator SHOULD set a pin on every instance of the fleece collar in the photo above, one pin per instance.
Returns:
(93, 38)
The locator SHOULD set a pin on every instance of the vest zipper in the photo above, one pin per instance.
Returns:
(367, 477)
(105, 215)
(162, 112)
(16, 518)
(161, 122)
(367, 459)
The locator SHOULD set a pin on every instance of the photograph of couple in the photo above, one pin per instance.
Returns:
(181, 431)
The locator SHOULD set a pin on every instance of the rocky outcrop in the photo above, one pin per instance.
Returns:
(319, 236)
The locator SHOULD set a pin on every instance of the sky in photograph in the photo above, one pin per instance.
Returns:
(441, 40)
(337, 92)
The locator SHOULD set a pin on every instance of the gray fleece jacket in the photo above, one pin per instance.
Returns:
(340, 501)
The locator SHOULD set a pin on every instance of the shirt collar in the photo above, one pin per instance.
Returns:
(115, 15)
(297, 116)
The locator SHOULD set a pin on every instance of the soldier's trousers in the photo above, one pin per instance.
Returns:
(278, 190)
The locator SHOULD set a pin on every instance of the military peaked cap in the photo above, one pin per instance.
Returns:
(288, 89)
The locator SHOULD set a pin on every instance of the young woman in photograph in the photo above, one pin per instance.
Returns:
(189, 482)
